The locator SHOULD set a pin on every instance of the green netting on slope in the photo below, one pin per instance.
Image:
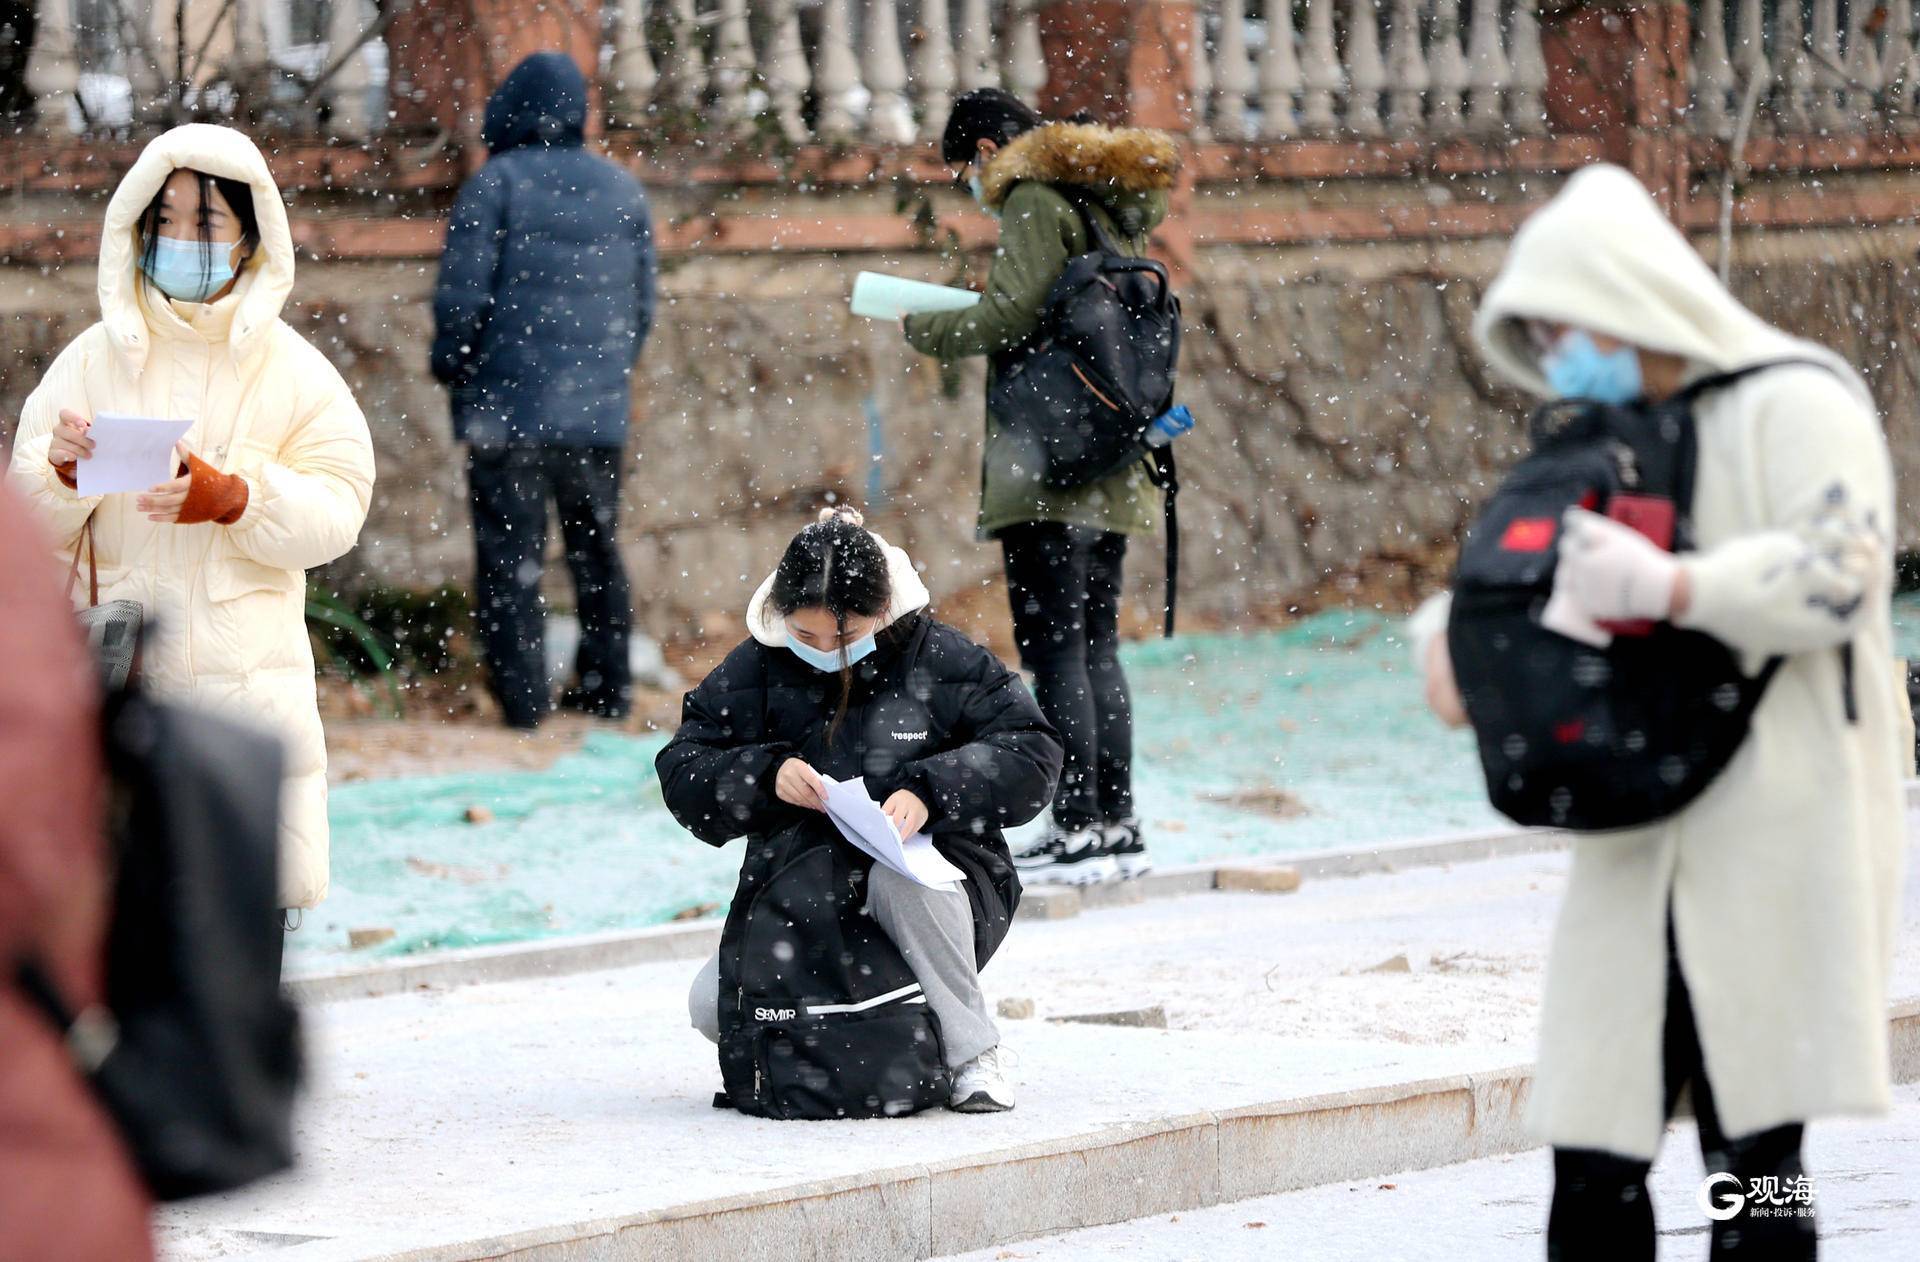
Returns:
(1232, 731)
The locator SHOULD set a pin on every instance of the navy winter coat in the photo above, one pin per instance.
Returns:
(546, 283)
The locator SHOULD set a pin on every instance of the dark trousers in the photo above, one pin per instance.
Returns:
(1601, 1210)
(1064, 585)
(509, 489)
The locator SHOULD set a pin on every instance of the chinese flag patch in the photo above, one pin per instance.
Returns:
(1529, 534)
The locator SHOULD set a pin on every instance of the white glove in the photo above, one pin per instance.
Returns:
(1612, 572)
(1427, 626)
(1563, 617)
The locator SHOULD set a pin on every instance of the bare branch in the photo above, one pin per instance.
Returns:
(1737, 169)
(375, 29)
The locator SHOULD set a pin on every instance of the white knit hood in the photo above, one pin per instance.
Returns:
(127, 304)
(1603, 257)
(909, 596)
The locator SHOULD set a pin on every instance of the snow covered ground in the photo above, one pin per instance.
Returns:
(1866, 1177)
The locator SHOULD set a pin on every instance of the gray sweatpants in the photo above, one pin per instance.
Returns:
(934, 931)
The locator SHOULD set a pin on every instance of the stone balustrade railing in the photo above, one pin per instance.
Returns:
(873, 71)
(120, 65)
(1823, 68)
(883, 72)
(1394, 68)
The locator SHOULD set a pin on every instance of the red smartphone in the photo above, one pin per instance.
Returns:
(1653, 516)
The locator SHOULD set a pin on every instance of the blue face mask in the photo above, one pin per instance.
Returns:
(828, 660)
(979, 191)
(188, 271)
(1578, 369)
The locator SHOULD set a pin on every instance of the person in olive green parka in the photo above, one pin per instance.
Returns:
(1064, 549)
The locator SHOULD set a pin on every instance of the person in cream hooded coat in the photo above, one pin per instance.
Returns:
(225, 603)
(1782, 880)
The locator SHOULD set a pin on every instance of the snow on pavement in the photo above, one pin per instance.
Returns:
(443, 1115)
(1474, 936)
(1866, 1177)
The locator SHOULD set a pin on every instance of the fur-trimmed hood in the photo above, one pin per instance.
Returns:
(1106, 160)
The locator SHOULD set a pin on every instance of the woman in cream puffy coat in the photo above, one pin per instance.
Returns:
(278, 466)
(1741, 948)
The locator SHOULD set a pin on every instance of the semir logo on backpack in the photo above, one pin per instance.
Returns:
(775, 1014)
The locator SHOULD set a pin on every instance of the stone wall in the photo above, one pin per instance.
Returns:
(1346, 425)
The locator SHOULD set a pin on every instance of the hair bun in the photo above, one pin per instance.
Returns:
(843, 512)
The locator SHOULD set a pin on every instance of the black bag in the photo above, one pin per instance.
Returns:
(196, 1053)
(820, 1016)
(1573, 736)
(1080, 395)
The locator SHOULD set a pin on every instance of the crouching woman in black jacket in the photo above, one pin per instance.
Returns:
(846, 675)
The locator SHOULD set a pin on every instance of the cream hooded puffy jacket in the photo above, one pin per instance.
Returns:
(226, 605)
(1783, 878)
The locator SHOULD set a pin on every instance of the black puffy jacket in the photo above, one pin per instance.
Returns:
(929, 711)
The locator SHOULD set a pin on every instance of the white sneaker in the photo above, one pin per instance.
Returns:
(980, 1085)
(1128, 850)
(1067, 858)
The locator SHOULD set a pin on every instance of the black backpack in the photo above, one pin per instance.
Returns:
(1084, 389)
(196, 1053)
(1573, 736)
(820, 1016)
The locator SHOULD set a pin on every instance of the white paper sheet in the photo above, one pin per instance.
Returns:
(879, 296)
(130, 453)
(862, 822)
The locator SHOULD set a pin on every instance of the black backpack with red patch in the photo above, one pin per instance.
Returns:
(1571, 736)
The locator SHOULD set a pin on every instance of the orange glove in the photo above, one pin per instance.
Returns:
(212, 495)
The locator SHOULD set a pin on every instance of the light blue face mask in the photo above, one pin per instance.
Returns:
(828, 660)
(979, 191)
(188, 271)
(1578, 369)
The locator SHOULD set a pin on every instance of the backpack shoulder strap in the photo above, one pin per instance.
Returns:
(1720, 380)
(1078, 199)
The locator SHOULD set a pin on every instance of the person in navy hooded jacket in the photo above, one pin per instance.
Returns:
(545, 297)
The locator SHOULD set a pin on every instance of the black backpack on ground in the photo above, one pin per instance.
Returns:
(1101, 367)
(820, 1016)
(1572, 736)
(195, 1052)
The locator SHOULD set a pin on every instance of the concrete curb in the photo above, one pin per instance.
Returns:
(517, 961)
(1167, 1165)
(623, 948)
(587, 953)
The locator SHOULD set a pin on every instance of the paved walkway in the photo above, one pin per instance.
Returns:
(443, 1121)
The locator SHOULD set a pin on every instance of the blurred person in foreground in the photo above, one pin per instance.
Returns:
(1740, 948)
(545, 299)
(68, 1187)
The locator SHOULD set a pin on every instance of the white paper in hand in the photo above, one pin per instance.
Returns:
(862, 822)
(130, 453)
(881, 297)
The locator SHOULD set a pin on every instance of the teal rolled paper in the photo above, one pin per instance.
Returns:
(878, 296)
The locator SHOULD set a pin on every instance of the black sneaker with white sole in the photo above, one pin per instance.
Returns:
(1061, 857)
(1128, 850)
